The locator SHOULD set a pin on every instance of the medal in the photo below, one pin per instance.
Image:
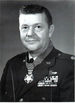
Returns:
(28, 78)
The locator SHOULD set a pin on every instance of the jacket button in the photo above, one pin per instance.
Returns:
(21, 100)
(59, 54)
(43, 98)
(73, 57)
(24, 60)
(5, 92)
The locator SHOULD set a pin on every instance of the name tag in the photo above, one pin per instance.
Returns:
(49, 81)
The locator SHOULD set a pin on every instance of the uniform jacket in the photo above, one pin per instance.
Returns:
(53, 79)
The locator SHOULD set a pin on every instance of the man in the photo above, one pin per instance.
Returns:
(43, 73)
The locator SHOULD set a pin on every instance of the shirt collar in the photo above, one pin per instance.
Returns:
(31, 57)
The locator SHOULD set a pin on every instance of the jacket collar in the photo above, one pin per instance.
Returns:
(49, 59)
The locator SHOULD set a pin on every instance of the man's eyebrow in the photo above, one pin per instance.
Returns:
(31, 25)
(38, 24)
(24, 25)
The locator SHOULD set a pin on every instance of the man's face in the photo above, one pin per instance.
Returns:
(34, 31)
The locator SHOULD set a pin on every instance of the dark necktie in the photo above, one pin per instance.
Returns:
(30, 61)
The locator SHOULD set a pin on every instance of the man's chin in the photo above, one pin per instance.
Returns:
(33, 49)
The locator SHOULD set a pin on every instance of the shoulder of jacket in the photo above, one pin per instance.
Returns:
(66, 56)
(18, 57)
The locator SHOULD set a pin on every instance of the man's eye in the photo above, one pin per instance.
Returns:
(38, 28)
(25, 27)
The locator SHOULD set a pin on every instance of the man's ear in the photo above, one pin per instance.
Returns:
(19, 23)
(51, 30)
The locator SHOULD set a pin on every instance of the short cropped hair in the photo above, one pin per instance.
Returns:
(34, 8)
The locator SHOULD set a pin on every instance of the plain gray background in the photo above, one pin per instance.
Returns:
(63, 19)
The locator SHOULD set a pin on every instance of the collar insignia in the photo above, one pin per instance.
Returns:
(48, 62)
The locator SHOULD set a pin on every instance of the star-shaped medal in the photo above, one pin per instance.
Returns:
(28, 78)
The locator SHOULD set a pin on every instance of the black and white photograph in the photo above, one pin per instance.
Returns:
(37, 52)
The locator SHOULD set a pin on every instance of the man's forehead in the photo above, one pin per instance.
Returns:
(32, 17)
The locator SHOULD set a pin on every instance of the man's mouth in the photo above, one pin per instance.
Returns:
(31, 40)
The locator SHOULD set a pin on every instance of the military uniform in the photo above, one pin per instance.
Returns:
(53, 79)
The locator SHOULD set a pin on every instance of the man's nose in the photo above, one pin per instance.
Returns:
(30, 31)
